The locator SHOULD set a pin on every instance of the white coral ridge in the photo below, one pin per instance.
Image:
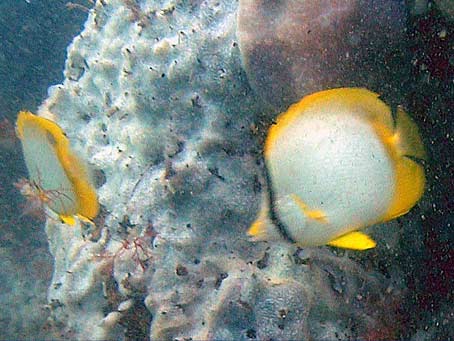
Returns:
(155, 99)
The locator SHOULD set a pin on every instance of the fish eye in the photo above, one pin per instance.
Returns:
(51, 139)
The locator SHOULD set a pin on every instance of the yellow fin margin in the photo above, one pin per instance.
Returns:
(357, 99)
(78, 175)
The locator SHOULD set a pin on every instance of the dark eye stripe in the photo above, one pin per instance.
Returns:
(50, 138)
(283, 231)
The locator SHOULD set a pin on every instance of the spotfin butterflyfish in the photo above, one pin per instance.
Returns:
(55, 170)
(336, 162)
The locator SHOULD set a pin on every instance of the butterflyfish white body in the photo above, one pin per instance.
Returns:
(57, 173)
(336, 162)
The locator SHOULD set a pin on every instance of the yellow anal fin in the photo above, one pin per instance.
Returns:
(68, 220)
(71, 220)
(318, 215)
(354, 241)
(86, 220)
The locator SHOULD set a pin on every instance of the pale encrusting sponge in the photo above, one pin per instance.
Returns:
(55, 170)
(336, 162)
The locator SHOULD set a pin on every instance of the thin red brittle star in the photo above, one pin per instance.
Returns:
(140, 246)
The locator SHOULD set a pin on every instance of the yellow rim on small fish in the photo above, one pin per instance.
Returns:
(54, 167)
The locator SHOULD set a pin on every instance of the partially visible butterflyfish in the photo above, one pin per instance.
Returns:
(61, 177)
(336, 162)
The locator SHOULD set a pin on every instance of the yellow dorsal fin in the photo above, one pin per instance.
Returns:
(77, 172)
(354, 241)
(318, 215)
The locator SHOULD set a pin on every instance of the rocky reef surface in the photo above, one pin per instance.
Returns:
(292, 48)
(156, 98)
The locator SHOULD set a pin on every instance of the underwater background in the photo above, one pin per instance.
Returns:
(33, 40)
(403, 290)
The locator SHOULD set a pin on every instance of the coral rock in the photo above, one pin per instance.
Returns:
(291, 48)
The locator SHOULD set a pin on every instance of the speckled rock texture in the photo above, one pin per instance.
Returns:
(155, 98)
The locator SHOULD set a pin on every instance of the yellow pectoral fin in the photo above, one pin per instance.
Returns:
(68, 220)
(354, 241)
(263, 228)
(257, 228)
(318, 215)
(260, 229)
